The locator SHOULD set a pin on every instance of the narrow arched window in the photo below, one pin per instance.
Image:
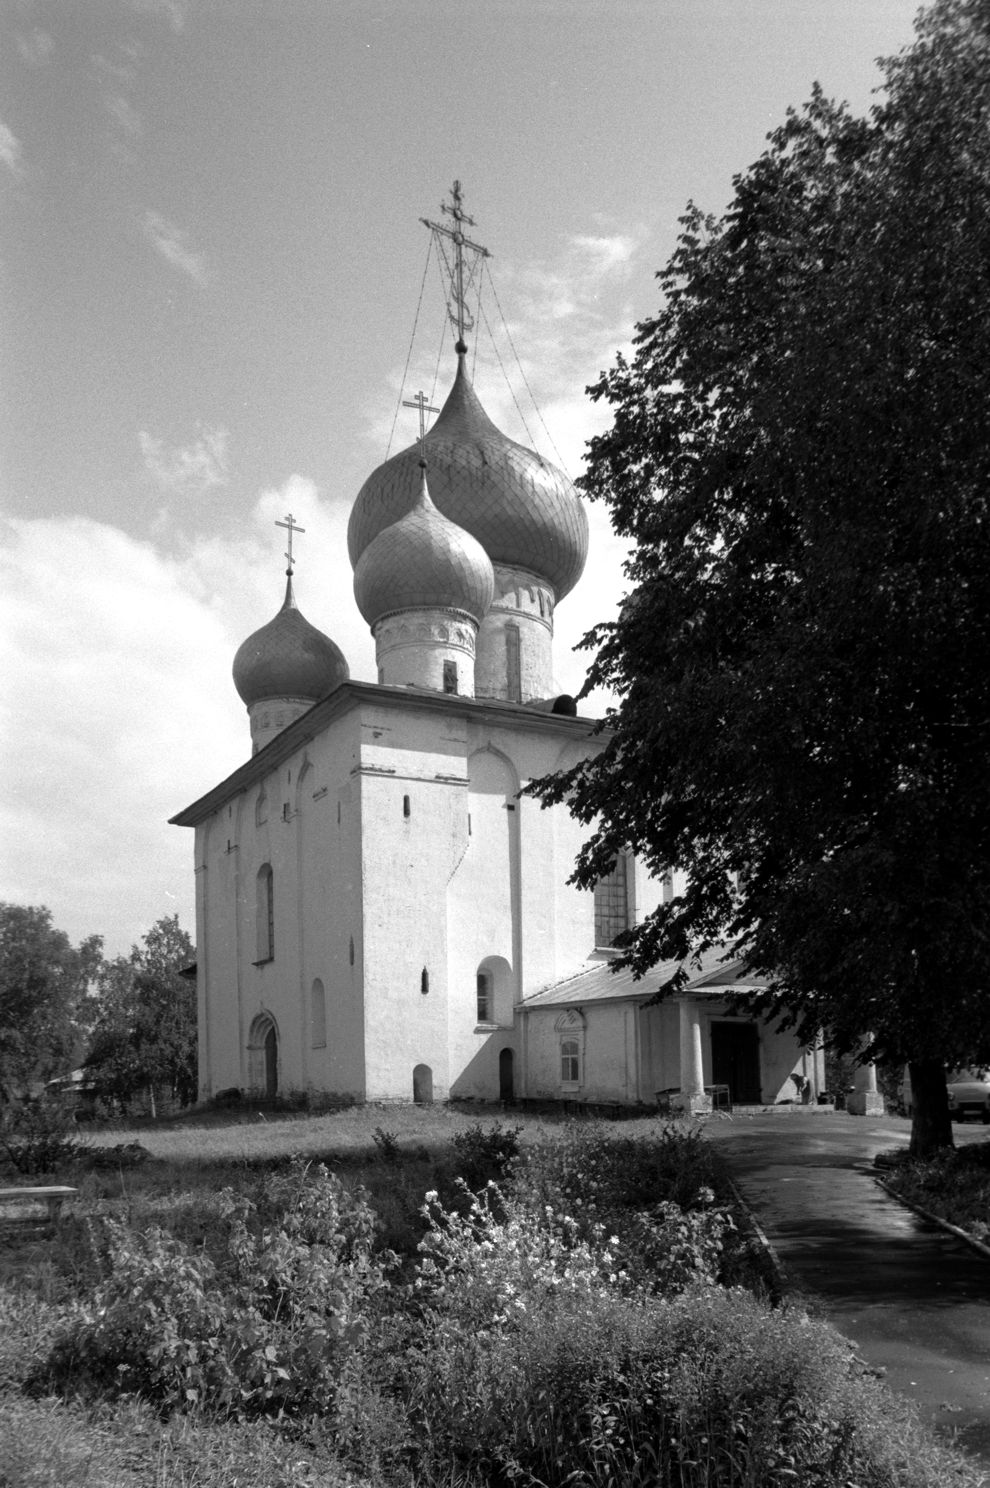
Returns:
(612, 904)
(424, 982)
(318, 1015)
(486, 997)
(513, 664)
(265, 914)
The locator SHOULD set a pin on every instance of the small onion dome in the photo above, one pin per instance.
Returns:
(288, 657)
(423, 562)
(523, 510)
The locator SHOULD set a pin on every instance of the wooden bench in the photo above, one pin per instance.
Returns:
(53, 1197)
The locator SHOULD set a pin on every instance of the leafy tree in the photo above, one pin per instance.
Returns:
(799, 455)
(145, 1035)
(44, 985)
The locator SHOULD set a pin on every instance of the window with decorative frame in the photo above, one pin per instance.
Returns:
(570, 1062)
(570, 1029)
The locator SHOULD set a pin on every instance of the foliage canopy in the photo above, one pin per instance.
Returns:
(145, 1035)
(799, 456)
(44, 1003)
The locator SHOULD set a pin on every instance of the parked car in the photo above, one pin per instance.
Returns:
(969, 1094)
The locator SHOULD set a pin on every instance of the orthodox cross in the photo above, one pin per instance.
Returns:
(293, 526)
(460, 315)
(420, 401)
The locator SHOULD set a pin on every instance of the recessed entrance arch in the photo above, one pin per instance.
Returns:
(506, 1087)
(423, 1085)
(263, 1056)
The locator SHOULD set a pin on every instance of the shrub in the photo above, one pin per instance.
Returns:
(387, 1143)
(262, 1326)
(652, 1194)
(710, 1388)
(484, 1154)
(40, 1136)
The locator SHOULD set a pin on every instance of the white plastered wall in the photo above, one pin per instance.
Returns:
(289, 820)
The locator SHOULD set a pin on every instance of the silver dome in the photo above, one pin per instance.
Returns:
(288, 657)
(423, 561)
(524, 511)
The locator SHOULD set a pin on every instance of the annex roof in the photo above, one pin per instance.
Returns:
(711, 973)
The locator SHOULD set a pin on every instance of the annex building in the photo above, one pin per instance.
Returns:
(380, 912)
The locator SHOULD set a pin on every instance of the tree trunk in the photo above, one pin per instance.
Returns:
(931, 1125)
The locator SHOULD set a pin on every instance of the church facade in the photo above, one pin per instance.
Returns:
(381, 913)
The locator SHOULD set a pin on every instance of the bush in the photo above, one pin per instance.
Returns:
(484, 1154)
(40, 1136)
(656, 1196)
(262, 1326)
(710, 1388)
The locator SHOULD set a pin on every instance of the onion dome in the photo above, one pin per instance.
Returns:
(288, 658)
(423, 561)
(524, 511)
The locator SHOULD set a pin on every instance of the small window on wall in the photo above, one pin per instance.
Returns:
(612, 904)
(513, 664)
(318, 1015)
(450, 676)
(570, 1063)
(266, 913)
(486, 997)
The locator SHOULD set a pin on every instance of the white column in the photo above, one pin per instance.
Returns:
(865, 1100)
(692, 1098)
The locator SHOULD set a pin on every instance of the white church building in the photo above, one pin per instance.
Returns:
(380, 912)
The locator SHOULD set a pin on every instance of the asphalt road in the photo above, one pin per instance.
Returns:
(913, 1299)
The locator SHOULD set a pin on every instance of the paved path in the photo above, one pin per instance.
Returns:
(913, 1299)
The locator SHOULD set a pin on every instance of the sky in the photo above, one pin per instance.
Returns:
(216, 290)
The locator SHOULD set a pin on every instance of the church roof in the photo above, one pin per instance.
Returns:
(288, 657)
(423, 561)
(710, 973)
(524, 511)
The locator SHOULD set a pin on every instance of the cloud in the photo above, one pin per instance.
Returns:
(173, 12)
(171, 242)
(10, 150)
(124, 115)
(186, 470)
(36, 47)
(118, 707)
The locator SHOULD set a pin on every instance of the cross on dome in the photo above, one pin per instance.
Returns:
(293, 526)
(420, 401)
(460, 315)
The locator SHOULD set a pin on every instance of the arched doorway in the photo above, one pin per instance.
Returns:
(271, 1064)
(263, 1057)
(505, 1076)
(423, 1085)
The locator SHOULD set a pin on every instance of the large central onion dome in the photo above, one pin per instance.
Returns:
(288, 658)
(524, 511)
(423, 562)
